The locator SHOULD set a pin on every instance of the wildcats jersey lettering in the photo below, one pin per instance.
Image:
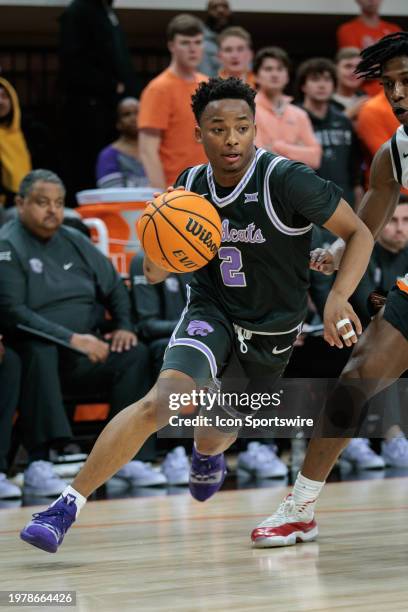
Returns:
(260, 275)
(399, 155)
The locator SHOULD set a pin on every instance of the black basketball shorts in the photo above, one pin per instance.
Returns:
(210, 348)
(396, 308)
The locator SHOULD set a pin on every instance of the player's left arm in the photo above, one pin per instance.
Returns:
(359, 243)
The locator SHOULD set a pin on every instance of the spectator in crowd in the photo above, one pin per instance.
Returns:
(341, 157)
(363, 31)
(9, 391)
(52, 282)
(282, 127)
(376, 123)
(388, 261)
(95, 69)
(235, 55)
(218, 17)
(348, 96)
(119, 164)
(15, 159)
(166, 122)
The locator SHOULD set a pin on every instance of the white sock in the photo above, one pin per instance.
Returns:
(80, 500)
(306, 491)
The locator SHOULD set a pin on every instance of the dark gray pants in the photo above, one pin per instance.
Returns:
(10, 372)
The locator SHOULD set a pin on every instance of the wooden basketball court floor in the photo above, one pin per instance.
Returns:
(173, 553)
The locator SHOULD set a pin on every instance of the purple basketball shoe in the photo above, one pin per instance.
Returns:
(207, 475)
(47, 529)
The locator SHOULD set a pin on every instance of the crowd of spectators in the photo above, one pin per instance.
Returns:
(71, 328)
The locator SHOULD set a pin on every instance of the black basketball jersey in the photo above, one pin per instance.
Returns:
(260, 275)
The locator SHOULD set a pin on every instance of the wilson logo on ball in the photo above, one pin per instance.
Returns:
(204, 235)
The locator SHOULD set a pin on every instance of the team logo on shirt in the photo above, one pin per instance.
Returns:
(251, 197)
(36, 265)
(5, 256)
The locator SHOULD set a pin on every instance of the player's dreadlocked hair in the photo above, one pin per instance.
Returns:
(221, 89)
(373, 58)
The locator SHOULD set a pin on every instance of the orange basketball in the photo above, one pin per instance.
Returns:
(180, 231)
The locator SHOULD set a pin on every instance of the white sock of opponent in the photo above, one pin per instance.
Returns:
(80, 500)
(306, 491)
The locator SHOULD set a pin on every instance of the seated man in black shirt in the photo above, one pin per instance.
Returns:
(341, 159)
(53, 282)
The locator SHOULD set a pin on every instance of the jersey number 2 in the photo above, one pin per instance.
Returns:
(231, 264)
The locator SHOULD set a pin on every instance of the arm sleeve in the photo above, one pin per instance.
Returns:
(147, 304)
(154, 112)
(13, 298)
(113, 293)
(310, 196)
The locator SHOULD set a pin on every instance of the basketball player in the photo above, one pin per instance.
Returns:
(381, 355)
(249, 302)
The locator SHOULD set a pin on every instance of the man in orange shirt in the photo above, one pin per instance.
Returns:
(166, 121)
(235, 55)
(364, 31)
(376, 123)
(282, 127)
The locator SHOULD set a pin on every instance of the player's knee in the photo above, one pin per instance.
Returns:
(147, 411)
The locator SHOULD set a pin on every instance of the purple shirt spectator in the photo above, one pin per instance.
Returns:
(117, 169)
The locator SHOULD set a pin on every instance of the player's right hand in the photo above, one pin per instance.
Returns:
(96, 350)
(322, 260)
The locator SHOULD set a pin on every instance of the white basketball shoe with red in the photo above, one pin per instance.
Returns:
(290, 524)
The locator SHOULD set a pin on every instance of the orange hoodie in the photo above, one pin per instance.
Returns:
(288, 132)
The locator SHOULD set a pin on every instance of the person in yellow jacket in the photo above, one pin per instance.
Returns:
(15, 160)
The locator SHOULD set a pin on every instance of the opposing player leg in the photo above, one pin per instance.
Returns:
(379, 358)
(252, 371)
